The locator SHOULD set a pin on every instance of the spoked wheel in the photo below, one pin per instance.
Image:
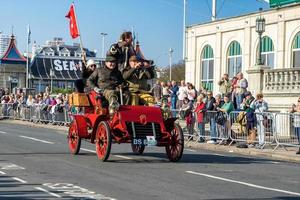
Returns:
(137, 148)
(74, 140)
(103, 141)
(175, 148)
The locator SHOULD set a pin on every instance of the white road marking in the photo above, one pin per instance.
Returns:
(192, 150)
(88, 150)
(244, 183)
(35, 139)
(20, 180)
(72, 190)
(274, 162)
(124, 157)
(10, 166)
(46, 191)
(3, 132)
(119, 156)
(1, 172)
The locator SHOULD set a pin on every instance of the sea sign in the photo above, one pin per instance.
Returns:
(66, 65)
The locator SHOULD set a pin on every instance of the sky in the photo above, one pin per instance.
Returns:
(159, 23)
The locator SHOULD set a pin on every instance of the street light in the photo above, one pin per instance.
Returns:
(260, 28)
(103, 38)
(170, 54)
(51, 79)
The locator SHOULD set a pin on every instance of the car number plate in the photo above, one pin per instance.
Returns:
(148, 141)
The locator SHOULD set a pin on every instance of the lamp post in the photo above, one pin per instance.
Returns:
(170, 55)
(103, 39)
(260, 29)
(51, 80)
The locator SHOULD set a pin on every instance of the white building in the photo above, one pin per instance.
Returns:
(4, 43)
(231, 45)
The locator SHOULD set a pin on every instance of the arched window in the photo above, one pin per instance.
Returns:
(267, 52)
(234, 59)
(296, 51)
(207, 65)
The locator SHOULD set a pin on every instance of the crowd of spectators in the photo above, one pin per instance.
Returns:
(202, 107)
(195, 107)
(42, 106)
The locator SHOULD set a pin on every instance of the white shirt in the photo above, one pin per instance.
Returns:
(182, 92)
(191, 94)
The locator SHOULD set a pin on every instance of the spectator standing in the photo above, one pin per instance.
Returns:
(30, 101)
(157, 91)
(225, 85)
(182, 93)
(227, 106)
(250, 116)
(192, 93)
(260, 106)
(296, 113)
(210, 114)
(217, 105)
(187, 108)
(199, 111)
(173, 91)
(241, 88)
(165, 91)
(233, 91)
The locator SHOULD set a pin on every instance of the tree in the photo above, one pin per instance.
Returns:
(178, 72)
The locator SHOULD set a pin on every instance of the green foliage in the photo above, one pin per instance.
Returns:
(62, 90)
(178, 72)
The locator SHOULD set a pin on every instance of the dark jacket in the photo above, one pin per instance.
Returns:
(122, 53)
(105, 78)
(210, 103)
(137, 78)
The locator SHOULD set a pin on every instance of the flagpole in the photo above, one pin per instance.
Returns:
(81, 44)
(27, 60)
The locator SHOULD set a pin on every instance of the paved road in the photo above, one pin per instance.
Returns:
(35, 164)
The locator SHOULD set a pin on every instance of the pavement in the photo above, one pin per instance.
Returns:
(281, 154)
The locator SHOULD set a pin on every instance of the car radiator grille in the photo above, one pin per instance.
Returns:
(141, 131)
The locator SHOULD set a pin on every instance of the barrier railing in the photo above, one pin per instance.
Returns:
(258, 128)
(287, 129)
(37, 113)
(210, 129)
(280, 129)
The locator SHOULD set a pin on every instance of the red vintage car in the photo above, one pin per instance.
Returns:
(139, 125)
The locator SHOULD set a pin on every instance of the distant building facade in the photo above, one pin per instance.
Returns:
(231, 46)
(57, 62)
(12, 67)
(4, 43)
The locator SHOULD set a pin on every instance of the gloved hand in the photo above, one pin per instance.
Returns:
(98, 90)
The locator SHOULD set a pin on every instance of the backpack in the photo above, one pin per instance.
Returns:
(221, 118)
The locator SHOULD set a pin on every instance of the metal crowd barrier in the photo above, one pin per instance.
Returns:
(263, 125)
(281, 129)
(287, 130)
(193, 133)
(37, 113)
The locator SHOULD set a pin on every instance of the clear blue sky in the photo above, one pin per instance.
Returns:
(158, 22)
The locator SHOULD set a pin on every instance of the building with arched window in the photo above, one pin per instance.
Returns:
(232, 45)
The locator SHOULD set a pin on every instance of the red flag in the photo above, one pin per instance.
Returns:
(73, 24)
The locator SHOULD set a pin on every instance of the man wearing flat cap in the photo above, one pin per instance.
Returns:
(105, 80)
(136, 75)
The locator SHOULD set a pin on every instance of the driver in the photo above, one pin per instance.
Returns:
(105, 80)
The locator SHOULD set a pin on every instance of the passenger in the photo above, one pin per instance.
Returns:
(122, 50)
(87, 70)
(136, 74)
(106, 80)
